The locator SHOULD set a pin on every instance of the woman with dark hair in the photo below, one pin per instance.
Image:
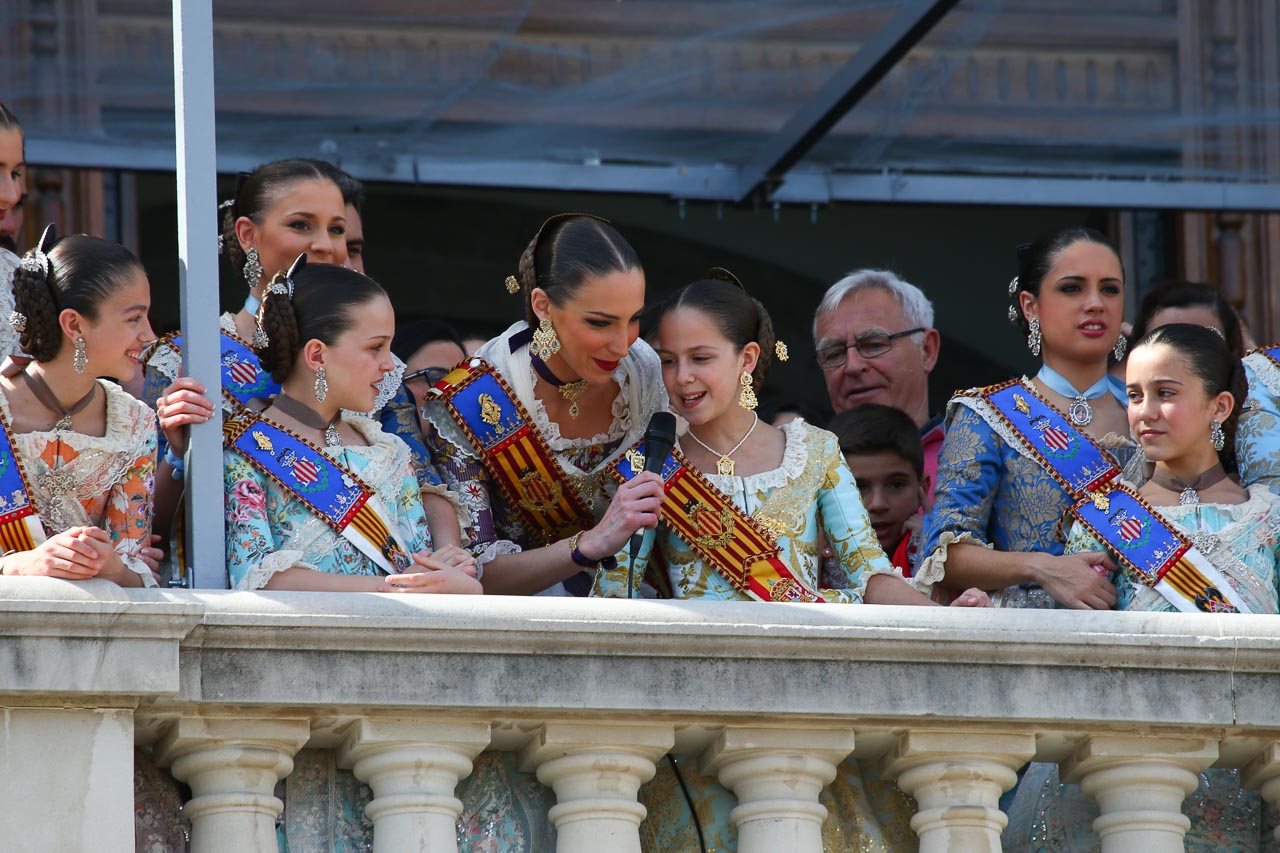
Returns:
(1020, 453)
(1184, 384)
(577, 388)
(85, 451)
(1189, 302)
(778, 489)
(13, 168)
(575, 373)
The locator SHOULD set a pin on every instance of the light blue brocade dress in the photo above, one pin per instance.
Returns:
(1243, 541)
(812, 490)
(1258, 434)
(991, 493)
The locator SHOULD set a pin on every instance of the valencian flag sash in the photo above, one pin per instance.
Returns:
(20, 527)
(1068, 455)
(723, 536)
(1157, 553)
(338, 497)
(243, 378)
(1116, 514)
(512, 450)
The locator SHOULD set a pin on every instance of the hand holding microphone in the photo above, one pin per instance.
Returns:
(637, 503)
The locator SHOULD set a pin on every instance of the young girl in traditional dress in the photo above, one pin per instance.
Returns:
(329, 333)
(776, 486)
(80, 452)
(1183, 384)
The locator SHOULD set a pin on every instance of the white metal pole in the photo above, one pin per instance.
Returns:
(198, 281)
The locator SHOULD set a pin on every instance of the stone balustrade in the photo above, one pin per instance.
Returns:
(225, 687)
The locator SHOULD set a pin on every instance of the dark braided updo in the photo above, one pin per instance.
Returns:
(568, 249)
(82, 272)
(323, 306)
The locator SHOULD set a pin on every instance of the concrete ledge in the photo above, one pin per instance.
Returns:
(703, 663)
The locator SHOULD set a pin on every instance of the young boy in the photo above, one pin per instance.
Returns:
(882, 447)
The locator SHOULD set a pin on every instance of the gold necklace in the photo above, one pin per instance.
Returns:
(724, 465)
(573, 391)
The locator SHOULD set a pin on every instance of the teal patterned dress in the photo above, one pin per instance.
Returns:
(1243, 542)
(811, 491)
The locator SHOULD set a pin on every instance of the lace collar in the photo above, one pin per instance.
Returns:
(639, 378)
(119, 404)
(795, 457)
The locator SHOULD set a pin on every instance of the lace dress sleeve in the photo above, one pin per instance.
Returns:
(969, 469)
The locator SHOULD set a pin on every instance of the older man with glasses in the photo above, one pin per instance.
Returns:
(876, 343)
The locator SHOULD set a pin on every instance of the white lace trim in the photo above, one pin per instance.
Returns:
(933, 568)
(273, 564)
(163, 359)
(1265, 372)
(618, 410)
(125, 417)
(8, 336)
(388, 385)
(463, 515)
(795, 458)
(491, 551)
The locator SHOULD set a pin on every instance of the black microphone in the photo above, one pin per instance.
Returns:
(659, 438)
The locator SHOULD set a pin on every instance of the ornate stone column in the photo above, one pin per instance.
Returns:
(957, 778)
(1263, 773)
(1140, 783)
(778, 775)
(413, 768)
(232, 766)
(596, 771)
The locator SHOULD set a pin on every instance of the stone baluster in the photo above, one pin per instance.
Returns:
(232, 766)
(1263, 773)
(957, 778)
(1140, 783)
(777, 775)
(413, 768)
(596, 771)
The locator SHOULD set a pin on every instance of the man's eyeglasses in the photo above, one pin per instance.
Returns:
(431, 374)
(833, 356)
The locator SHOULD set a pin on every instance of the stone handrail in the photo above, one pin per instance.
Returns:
(225, 687)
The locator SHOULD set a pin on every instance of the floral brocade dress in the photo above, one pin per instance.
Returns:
(1243, 542)
(991, 492)
(505, 810)
(811, 491)
(1258, 434)
(270, 530)
(105, 481)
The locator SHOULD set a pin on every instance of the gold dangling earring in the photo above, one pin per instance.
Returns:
(545, 343)
(80, 359)
(747, 399)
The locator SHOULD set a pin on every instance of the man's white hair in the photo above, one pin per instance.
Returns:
(917, 310)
